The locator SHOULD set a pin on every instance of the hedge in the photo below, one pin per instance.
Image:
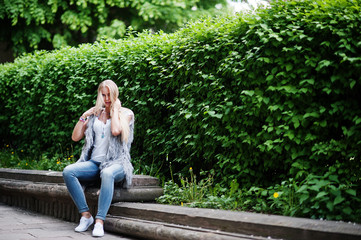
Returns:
(257, 97)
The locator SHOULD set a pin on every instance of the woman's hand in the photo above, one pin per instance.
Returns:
(115, 123)
(79, 129)
(117, 105)
(88, 113)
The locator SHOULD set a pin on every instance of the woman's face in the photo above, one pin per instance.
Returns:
(106, 96)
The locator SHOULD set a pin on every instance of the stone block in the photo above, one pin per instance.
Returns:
(252, 224)
(45, 192)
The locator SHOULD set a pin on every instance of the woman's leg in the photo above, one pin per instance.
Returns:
(109, 176)
(74, 174)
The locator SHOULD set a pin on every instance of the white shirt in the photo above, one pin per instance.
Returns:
(101, 143)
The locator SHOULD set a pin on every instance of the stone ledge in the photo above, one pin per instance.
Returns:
(165, 231)
(57, 177)
(239, 222)
(46, 193)
(43, 190)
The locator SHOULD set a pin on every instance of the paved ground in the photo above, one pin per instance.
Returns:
(19, 224)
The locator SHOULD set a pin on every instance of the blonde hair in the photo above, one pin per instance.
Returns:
(114, 94)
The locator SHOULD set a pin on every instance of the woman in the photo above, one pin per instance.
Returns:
(108, 130)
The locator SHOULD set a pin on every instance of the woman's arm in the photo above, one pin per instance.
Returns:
(115, 123)
(80, 127)
(116, 126)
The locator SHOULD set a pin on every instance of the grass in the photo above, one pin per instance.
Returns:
(11, 157)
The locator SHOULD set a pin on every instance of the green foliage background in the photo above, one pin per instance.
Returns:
(33, 24)
(258, 98)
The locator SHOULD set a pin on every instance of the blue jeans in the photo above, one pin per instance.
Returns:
(89, 171)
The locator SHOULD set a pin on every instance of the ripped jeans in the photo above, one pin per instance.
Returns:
(89, 171)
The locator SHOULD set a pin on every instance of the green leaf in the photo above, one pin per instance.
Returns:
(302, 189)
(321, 194)
(351, 192)
(213, 114)
(303, 198)
(269, 77)
(323, 123)
(323, 63)
(352, 84)
(338, 199)
(333, 178)
(289, 67)
(357, 120)
(296, 122)
(330, 206)
(347, 211)
(248, 92)
(309, 81)
(312, 114)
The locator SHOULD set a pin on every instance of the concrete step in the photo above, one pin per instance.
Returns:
(45, 192)
(164, 231)
(57, 177)
(51, 184)
(232, 222)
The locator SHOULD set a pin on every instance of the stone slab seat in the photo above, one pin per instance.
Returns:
(51, 184)
(235, 222)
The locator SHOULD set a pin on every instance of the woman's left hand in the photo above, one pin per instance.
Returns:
(117, 105)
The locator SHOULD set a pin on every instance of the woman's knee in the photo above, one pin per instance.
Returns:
(65, 171)
(113, 173)
(68, 170)
(107, 174)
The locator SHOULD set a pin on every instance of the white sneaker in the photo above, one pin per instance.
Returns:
(98, 230)
(84, 224)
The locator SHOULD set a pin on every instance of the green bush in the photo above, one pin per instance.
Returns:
(317, 197)
(258, 98)
(20, 158)
(31, 25)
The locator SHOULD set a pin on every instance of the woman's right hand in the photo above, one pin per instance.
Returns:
(88, 113)
(79, 129)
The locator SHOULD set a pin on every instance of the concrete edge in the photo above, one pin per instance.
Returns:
(164, 231)
(240, 222)
(57, 177)
(59, 191)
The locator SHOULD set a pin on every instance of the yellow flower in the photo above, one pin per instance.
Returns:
(7, 145)
(22, 150)
(182, 204)
(190, 169)
(58, 162)
(26, 164)
(71, 156)
(12, 152)
(276, 195)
